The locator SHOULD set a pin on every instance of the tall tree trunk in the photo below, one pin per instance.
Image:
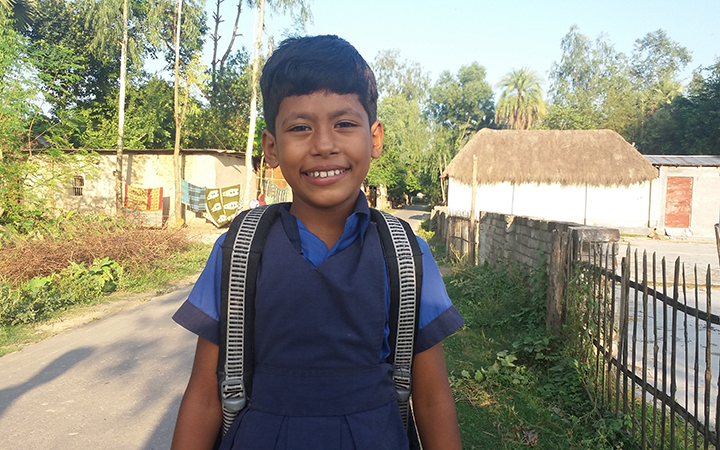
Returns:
(121, 115)
(178, 117)
(215, 38)
(253, 107)
(217, 71)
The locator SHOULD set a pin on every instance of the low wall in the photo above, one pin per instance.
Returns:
(504, 237)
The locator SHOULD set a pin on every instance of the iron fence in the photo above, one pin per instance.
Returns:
(653, 343)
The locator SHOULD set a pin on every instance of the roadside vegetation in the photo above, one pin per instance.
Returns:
(75, 261)
(515, 386)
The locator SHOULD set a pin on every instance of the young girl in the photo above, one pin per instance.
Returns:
(321, 379)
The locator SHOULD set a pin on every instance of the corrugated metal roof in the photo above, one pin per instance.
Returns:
(684, 160)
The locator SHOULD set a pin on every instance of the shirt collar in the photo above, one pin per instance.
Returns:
(305, 242)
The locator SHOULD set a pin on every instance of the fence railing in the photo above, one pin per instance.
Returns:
(654, 340)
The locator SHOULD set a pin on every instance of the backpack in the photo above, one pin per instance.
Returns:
(241, 253)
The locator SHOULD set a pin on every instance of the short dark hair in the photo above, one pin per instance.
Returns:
(304, 65)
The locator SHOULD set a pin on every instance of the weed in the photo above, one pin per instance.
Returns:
(515, 386)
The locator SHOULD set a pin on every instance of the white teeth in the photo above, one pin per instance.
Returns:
(325, 174)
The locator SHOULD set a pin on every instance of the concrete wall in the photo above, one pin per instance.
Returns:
(625, 207)
(150, 171)
(705, 208)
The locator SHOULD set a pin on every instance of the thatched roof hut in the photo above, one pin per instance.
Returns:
(567, 157)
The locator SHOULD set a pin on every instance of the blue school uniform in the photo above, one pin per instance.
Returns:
(320, 378)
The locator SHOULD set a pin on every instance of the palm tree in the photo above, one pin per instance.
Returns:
(521, 101)
(23, 11)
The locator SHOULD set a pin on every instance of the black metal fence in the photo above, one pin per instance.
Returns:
(653, 340)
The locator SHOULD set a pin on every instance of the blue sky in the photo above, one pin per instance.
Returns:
(445, 35)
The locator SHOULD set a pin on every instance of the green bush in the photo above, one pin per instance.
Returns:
(40, 297)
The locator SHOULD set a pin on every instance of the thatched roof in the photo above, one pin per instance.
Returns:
(571, 157)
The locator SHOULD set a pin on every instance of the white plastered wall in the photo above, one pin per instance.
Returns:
(626, 207)
(705, 207)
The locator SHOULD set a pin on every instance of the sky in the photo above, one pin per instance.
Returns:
(499, 35)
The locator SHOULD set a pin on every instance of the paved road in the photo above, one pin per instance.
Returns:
(112, 384)
(691, 253)
(414, 215)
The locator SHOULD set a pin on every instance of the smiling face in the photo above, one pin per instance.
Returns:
(323, 144)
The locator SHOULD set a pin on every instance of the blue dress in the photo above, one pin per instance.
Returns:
(319, 382)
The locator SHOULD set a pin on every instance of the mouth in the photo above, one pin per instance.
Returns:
(324, 173)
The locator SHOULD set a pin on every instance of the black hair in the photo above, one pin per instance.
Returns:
(304, 65)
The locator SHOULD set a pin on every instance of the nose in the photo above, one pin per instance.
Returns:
(325, 143)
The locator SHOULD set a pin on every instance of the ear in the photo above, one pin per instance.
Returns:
(378, 133)
(269, 146)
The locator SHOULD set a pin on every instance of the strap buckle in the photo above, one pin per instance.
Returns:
(403, 383)
(236, 388)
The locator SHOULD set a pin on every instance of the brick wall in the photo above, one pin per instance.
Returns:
(502, 237)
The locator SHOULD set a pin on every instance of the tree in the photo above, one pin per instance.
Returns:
(218, 67)
(655, 66)
(690, 124)
(595, 86)
(224, 122)
(403, 91)
(107, 21)
(460, 105)
(399, 77)
(24, 180)
(521, 100)
(583, 82)
(22, 11)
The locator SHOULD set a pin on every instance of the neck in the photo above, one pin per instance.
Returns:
(326, 224)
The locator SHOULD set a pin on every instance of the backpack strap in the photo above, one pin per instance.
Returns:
(403, 259)
(241, 255)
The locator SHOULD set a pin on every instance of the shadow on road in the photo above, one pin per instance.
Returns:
(162, 436)
(53, 370)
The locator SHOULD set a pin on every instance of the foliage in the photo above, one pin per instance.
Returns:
(594, 86)
(516, 386)
(584, 84)
(22, 12)
(79, 259)
(521, 101)
(463, 103)
(690, 124)
(39, 297)
(224, 122)
(403, 88)
(27, 184)
(397, 77)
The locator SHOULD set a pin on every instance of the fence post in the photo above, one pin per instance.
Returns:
(556, 281)
(717, 239)
(471, 231)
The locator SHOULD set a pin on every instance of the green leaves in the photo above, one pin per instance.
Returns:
(521, 101)
(40, 297)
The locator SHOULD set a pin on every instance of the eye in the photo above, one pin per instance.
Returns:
(298, 128)
(346, 124)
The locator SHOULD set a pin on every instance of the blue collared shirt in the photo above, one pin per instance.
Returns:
(437, 319)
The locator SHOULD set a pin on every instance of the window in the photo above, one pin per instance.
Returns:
(78, 183)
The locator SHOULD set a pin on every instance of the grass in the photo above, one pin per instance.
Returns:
(515, 386)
